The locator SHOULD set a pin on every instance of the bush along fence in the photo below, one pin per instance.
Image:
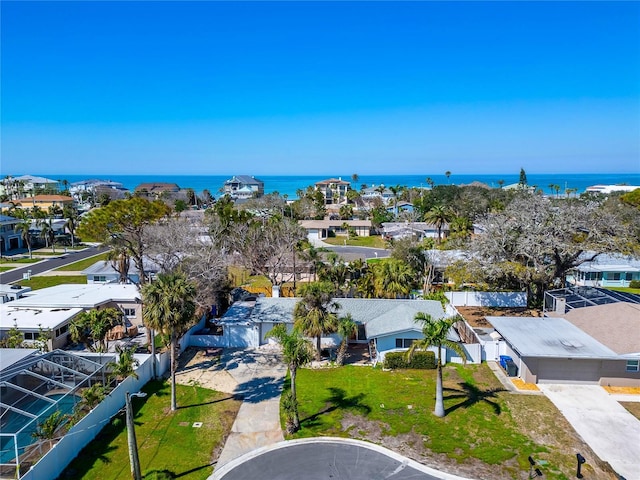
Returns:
(420, 360)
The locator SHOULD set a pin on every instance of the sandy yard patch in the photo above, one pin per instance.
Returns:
(522, 385)
(623, 390)
(202, 367)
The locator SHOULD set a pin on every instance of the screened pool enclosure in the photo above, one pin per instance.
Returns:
(33, 387)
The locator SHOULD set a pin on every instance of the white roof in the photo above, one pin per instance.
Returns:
(81, 296)
(549, 337)
(34, 179)
(32, 318)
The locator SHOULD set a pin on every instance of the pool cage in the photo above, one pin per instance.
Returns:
(33, 389)
(564, 300)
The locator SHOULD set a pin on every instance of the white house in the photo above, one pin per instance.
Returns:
(54, 307)
(385, 325)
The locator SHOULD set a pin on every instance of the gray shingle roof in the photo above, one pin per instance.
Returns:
(381, 316)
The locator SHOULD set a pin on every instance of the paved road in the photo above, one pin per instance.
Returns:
(49, 264)
(324, 458)
(351, 253)
(609, 429)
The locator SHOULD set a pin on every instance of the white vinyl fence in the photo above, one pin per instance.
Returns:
(487, 299)
(55, 460)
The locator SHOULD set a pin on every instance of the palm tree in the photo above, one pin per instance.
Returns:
(500, 183)
(447, 174)
(435, 335)
(438, 216)
(355, 177)
(126, 364)
(430, 182)
(48, 428)
(297, 352)
(393, 279)
(71, 224)
(170, 308)
(346, 329)
(93, 395)
(315, 313)
(24, 227)
(47, 232)
(93, 326)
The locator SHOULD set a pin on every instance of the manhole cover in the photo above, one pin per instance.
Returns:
(197, 424)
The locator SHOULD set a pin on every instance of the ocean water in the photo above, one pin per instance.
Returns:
(289, 185)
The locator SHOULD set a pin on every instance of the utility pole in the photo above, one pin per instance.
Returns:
(131, 437)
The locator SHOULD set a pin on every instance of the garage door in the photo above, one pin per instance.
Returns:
(568, 371)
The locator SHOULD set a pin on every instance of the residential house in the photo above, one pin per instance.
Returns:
(54, 307)
(155, 190)
(243, 186)
(321, 229)
(606, 270)
(103, 271)
(334, 190)
(9, 238)
(385, 325)
(27, 185)
(44, 202)
(9, 293)
(381, 192)
(420, 230)
(400, 207)
(596, 345)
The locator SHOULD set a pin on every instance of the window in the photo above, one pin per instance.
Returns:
(633, 365)
(31, 335)
(404, 342)
(99, 278)
(129, 312)
(62, 330)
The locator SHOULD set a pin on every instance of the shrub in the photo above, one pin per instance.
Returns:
(420, 360)
(634, 284)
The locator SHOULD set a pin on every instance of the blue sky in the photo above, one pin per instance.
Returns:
(319, 88)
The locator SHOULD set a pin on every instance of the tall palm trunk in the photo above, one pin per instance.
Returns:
(439, 409)
(342, 350)
(319, 347)
(173, 370)
(294, 398)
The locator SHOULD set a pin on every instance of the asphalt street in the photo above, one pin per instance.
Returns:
(324, 460)
(49, 264)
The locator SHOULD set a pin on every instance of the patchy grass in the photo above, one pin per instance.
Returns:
(633, 408)
(487, 433)
(374, 241)
(82, 264)
(166, 441)
(37, 283)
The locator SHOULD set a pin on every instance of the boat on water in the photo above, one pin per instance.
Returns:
(611, 188)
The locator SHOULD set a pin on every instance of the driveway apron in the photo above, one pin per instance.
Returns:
(259, 374)
(609, 429)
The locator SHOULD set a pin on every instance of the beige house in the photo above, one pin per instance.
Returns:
(321, 229)
(334, 190)
(44, 201)
(591, 345)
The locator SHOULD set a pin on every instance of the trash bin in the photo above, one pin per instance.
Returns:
(503, 360)
(511, 368)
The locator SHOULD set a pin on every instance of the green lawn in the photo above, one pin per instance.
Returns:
(167, 441)
(374, 241)
(20, 260)
(43, 282)
(6, 269)
(82, 264)
(487, 430)
(625, 289)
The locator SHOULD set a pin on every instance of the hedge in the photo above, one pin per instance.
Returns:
(420, 360)
(634, 284)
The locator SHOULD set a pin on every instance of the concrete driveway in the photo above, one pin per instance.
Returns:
(609, 429)
(258, 375)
